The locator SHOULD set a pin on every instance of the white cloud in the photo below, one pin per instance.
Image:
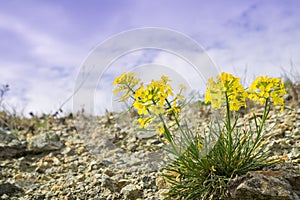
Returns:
(264, 38)
(44, 47)
(44, 78)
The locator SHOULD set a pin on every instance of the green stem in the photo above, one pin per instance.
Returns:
(167, 134)
(175, 117)
(265, 115)
(229, 130)
(260, 128)
(228, 124)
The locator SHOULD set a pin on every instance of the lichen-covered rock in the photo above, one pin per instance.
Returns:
(46, 141)
(10, 145)
(9, 189)
(265, 185)
(130, 191)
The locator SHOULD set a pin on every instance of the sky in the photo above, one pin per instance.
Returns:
(44, 44)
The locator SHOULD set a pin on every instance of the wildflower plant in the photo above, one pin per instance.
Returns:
(199, 169)
(153, 102)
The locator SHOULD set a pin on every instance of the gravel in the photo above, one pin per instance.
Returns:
(109, 157)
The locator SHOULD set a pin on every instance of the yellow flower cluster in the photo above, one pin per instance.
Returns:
(150, 100)
(225, 88)
(152, 97)
(126, 82)
(264, 88)
(145, 122)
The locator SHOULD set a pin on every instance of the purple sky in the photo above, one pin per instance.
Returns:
(44, 43)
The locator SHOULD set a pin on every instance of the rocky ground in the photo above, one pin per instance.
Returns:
(110, 158)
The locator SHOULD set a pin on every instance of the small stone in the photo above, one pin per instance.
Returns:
(108, 172)
(130, 191)
(80, 178)
(294, 153)
(297, 131)
(97, 176)
(107, 182)
(80, 150)
(287, 133)
(5, 196)
(240, 124)
(121, 183)
(162, 193)
(41, 167)
(56, 187)
(106, 193)
(131, 140)
(93, 165)
(283, 144)
(145, 135)
(29, 191)
(154, 142)
(68, 143)
(66, 150)
(18, 176)
(44, 177)
(56, 161)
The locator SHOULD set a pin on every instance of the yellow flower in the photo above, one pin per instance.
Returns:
(156, 109)
(174, 108)
(119, 79)
(213, 169)
(264, 88)
(199, 145)
(145, 122)
(125, 83)
(141, 108)
(182, 87)
(153, 97)
(180, 97)
(226, 85)
(165, 79)
(160, 129)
